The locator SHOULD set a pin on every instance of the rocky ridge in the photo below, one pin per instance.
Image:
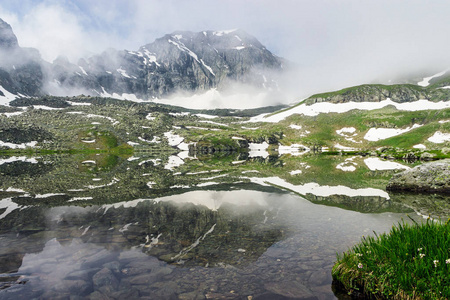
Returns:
(399, 93)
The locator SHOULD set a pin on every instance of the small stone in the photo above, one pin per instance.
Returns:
(320, 277)
(105, 277)
(98, 296)
(291, 289)
(77, 287)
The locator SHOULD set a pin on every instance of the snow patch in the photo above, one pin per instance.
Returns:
(326, 107)
(426, 80)
(348, 133)
(294, 149)
(345, 130)
(43, 107)
(374, 164)
(174, 162)
(18, 146)
(173, 139)
(150, 117)
(79, 103)
(224, 32)
(9, 207)
(82, 70)
(348, 165)
(207, 67)
(151, 58)
(420, 146)
(206, 116)
(439, 137)
(18, 158)
(8, 115)
(123, 72)
(344, 148)
(43, 196)
(376, 134)
(295, 172)
(297, 127)
(89, 162)
(80, 199)
(183, 48)
(318, 190)
(114, 181)
(8, 97)
(258, 150)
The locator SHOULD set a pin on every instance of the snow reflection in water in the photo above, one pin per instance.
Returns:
(214, 244)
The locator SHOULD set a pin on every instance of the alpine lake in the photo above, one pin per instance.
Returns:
(174, 226)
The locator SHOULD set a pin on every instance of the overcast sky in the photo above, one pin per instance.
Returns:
(336, 43)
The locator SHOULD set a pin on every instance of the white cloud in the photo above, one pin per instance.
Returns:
(335, 43)
(57, 29)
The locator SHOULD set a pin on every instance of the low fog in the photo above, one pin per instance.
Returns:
(332, 44)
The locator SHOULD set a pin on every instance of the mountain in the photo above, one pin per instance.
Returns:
(21, 69)
(181, 61)
(8, 39)
(192, 62)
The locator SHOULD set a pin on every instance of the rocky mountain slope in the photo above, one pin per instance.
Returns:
(181, 61)
(21, 69)
(400, 93)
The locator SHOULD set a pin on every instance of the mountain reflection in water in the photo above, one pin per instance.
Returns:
(141, 231)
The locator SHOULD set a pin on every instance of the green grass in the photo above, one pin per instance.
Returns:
(411, 138)
(412, 261)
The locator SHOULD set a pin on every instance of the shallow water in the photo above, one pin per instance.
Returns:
(239, 238)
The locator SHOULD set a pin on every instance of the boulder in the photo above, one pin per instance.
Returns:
(428, 177)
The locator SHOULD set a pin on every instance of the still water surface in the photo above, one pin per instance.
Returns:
(226, 240)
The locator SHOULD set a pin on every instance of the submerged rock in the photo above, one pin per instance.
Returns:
(428, 177)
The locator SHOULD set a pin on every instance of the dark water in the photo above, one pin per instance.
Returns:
(225, 240)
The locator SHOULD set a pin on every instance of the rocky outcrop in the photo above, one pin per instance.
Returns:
(428, 177)
(224, 145)
(399, 93)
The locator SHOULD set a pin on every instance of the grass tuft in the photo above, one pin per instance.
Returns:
(412, 261)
